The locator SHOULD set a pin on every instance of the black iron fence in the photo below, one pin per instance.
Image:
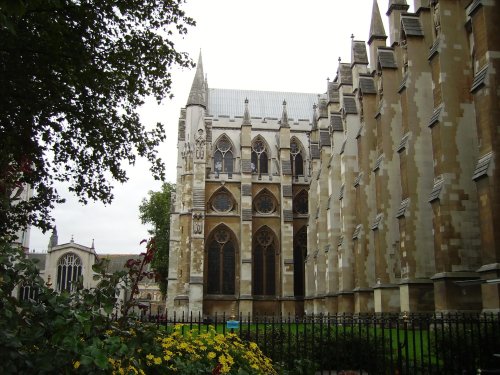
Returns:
(369, 344)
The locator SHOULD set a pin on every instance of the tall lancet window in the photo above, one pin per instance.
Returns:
(260, 159)
(264, 262)
(223, 156)
(296, 158)
(299, 256)
(69, 269)
(221, 250)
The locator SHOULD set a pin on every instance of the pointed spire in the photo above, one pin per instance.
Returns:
(284, 117)
(53, 238)
(377, 30)
(197, 96)
(246, 115)
(92, 246)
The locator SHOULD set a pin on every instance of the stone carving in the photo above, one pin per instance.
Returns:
(380, 85)
(361, 109)
(200, 145)
(404, 48)
(187, 156)
(198, 223)
(437, 19)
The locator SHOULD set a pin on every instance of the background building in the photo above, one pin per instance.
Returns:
(62, 265)
(380, 195)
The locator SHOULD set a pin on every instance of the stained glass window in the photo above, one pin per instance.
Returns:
(221, 263)
(223, 156)
(222, 201)
(299, 254)
(300, 203)
(264, 263)
(264, 203)
(260, 160)
(27, 292)
(69, 269)
(296, 159)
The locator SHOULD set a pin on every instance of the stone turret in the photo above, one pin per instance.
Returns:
(396, 8)
(377, 35)
(198, 93)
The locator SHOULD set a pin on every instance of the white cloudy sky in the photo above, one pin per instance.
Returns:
(274, 45)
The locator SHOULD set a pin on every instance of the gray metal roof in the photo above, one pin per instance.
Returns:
(268, 104)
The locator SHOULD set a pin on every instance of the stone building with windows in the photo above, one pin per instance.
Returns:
(64, 263)
(379, 195)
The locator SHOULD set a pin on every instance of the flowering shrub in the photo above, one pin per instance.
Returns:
(193, 352)
(76, 333)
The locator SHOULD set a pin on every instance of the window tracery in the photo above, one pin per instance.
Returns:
(69, 269)
(300, 203)
(223, 156)
(265, 203)
(264, 263)
(222, 201)
(260, 159)
(221, 263)
(296, 158)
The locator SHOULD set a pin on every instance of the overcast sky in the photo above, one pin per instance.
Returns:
(272, 45)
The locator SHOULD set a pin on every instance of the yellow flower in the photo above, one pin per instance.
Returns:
(211, 355)
(76, 364)
(157, 361)
(150, 356)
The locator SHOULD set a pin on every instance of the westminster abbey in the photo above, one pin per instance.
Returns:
(381, 194)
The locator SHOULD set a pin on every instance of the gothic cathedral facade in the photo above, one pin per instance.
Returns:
(379, 195)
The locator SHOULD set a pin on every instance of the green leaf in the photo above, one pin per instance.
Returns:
(101, 361)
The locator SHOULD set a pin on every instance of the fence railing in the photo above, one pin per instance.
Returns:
(373, 344)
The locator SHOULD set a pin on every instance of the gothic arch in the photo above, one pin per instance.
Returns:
(69, 269)
(297, 157)
(265, 249)
(224, 154)
(299, 256)
(261, 156)
(220, 265)
(265, 203)
(300, 204)
(222, 201)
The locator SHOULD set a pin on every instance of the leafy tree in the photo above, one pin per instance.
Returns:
(73, 74)
(156, 211)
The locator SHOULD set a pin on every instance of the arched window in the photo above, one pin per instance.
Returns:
(296, 159)
(260, 159)
(299, 256)
(265, 203)
(300, 203)
(69, 269)
(27, 292)
(222, 201)
(221, 260)
(223, 156)
(264, 262)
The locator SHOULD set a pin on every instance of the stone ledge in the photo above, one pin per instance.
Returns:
(415, 281)
(489, 267)
(455, 275)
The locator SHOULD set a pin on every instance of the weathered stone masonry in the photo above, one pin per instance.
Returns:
(380, 195)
